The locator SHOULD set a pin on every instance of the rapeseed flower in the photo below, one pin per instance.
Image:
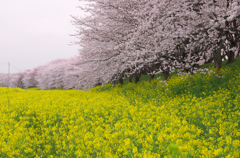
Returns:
(116, 123)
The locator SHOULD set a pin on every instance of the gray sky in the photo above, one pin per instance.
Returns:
(35, 32)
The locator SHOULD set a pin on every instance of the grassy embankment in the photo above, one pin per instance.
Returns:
(189, 116)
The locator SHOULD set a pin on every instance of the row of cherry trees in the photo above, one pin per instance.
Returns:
(127, 38)
(61, 73)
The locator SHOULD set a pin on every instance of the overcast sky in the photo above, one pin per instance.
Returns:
(35, 32)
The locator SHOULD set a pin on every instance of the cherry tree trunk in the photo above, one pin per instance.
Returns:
(137, 77)
(130, 78)
(151, 77)
(238, 49)
(166, 74)
(186, 70)
(217, 59)
(238, 54)
(230, 57)
(121, 81)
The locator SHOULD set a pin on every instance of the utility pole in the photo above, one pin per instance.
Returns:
(8, 72)
(27, 82)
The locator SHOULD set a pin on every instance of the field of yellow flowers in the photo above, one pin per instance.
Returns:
(184, 117)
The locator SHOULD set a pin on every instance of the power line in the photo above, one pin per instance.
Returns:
(15, 68)
(11, 66)
(8, 72)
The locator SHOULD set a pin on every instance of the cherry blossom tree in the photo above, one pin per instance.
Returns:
(232, 32)
(61, 73)
(101, 34)
(50, 75)
(29, 78)
(188, 32)
(211, 30)
(72, 73)
(3, 79)
(144, 48)
(15, 80)
(171, 34)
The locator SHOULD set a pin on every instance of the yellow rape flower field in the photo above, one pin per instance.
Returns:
(187, 117)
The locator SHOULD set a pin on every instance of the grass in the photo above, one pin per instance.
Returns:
(234, 65)
(215, 83)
